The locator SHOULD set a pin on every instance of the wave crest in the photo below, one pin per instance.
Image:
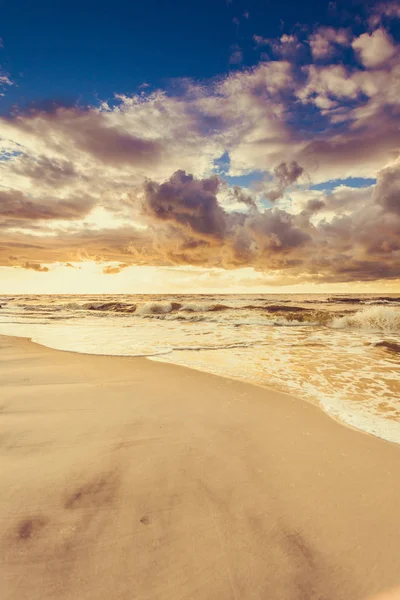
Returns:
(197, 307)
(157, 308)
(376, 318)
(110, 306)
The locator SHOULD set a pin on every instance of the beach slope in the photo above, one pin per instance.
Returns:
(123, 479)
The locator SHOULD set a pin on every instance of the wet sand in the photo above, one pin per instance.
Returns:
(123, 479)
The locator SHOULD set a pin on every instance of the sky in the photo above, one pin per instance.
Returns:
(211, 146)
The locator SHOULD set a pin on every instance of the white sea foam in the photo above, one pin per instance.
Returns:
(363, 418)
(203, 307)
(154, 308)
(375, 318)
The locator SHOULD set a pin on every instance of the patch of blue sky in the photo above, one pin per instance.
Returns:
(354, 182)
(247, 180)
(222, 167)
(9, 154)
(222, 164)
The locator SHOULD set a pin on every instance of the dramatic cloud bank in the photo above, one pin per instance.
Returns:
(139, 181)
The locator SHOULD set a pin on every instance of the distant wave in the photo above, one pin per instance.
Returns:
(274, 308)
(109, 306)
(383, 301)
(157, 308)
(198, 307)
(345, 300)
(356, 300)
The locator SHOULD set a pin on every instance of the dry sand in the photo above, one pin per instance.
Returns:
(124, 479)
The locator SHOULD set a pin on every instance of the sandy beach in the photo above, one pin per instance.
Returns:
(123, 478)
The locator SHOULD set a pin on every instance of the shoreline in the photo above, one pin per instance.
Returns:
(124, 477)
(155, 358)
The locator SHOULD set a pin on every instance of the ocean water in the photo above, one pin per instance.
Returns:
(340, 352)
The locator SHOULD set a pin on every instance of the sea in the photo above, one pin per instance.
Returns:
(341, 352)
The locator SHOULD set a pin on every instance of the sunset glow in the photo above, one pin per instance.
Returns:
(283, 170)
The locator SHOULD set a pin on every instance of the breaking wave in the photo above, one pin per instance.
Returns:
(157, 308)
(197, 307)
(375, 318)
(109, 306)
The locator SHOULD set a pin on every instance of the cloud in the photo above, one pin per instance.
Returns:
(90, 132)
(139, 136)
(187, 203)
(315, 205)
(5, 80)
(374, 49)
(332, 81)
(285, 175)
(387, 190)
(288, 47)
(342, 200)
(239, 195)
(34, 267)
(132, 181)
(382, 10)
(325, 41)
(285, 47)
(195, 229)
(260, 41)
(254, 114)
(350, 234)
(236, 58)
(17, 206)
(112, 270)
(52, 172)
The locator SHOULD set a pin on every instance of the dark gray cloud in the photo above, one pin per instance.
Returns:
(238, 194)
(387, 191)
(186, 202)
(315, 205)
(285, 175)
